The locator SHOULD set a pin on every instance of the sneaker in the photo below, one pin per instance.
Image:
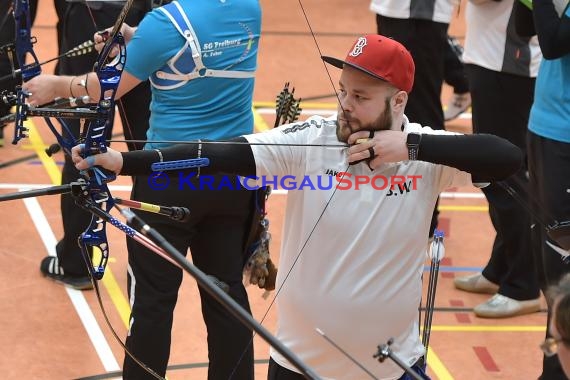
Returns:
(50, 268)
(458, 104)
(500, 306)
(476, 283)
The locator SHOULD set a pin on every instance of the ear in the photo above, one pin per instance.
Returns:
(399, 101)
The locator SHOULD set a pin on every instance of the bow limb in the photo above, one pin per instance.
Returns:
(23, 48)
(109, 76)
(24, 41)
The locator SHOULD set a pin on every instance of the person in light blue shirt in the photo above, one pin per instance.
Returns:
(199, 92)
(549, 149)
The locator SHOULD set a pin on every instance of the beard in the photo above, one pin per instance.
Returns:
(346, 127)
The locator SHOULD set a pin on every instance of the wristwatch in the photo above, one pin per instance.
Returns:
(413, 144)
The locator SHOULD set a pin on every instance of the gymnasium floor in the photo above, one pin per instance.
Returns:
(51, 332)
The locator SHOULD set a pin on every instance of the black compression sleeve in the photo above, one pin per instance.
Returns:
(234, 156)
(553, 31)
(486, 157)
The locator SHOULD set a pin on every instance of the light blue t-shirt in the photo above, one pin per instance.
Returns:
(550, 112)
(204, 108)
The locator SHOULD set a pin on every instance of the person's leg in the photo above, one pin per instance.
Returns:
(75, 220)
(70, 266)
(152, 286)
(217, 249)
(455, 76)
(554, 175)
(216, 234)
(453, 68)
(549, 166)
(497, 266)
(501, 104)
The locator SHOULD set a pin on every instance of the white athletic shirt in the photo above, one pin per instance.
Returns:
(434, 10)
(359, 277)
(491, 41)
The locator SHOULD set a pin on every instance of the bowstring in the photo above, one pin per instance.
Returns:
(321, 215)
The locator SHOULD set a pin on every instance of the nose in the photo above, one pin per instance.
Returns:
(345, 103)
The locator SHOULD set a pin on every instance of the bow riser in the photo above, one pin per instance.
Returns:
(109, 76)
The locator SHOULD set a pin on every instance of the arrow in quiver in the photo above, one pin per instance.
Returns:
(287, 108)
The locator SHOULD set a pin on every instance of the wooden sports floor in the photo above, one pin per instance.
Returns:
(51, 332)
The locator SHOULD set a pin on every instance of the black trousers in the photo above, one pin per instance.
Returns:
(216, 233)
(77, 27)
(501, 104)
(549, 169)
(453, 68)
(427, 43)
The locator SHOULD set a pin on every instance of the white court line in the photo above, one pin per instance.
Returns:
(16, 186)
(83, 310)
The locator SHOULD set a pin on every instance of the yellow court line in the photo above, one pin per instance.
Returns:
(54, 173)
(436, 365)
(481, 328)
(119, 300)
(32, 147)
(38, 146)
(463, 208)
(258, 122)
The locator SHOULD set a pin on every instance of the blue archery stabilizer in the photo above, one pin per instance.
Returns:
(180, 164)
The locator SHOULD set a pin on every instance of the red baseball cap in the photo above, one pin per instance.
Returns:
(381, 57)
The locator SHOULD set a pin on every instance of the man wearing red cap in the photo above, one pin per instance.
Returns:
(351, 260)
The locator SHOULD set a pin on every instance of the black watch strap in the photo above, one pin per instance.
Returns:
(413, 144)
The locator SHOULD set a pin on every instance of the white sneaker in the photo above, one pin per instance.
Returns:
(476, 283)
(500, 306)
(458, 104)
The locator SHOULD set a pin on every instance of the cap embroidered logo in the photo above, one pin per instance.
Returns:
(358, 47)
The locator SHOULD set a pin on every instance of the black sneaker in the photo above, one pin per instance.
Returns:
(50, 268)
